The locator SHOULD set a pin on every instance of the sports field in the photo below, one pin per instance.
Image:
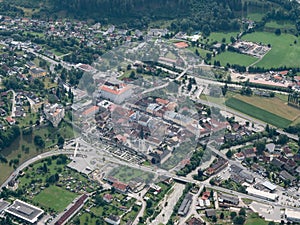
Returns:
(55, 198)
(258, 113)
(234, 58)
(284, 51)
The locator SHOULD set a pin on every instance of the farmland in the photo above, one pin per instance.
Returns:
(258, 113)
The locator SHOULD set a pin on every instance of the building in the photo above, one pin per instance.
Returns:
(72, 210)
(91, 111)
(120, 187)
(24, 211)
(292, 215)
(216, 167)
(262, 194)
(228, 199)
(269, 186)
(115, 91)
(210, 212)
(185, 205)
(3, 205)
(37, 72)
(108, 198)
(54, 113)
(194, 221)
(112, 219)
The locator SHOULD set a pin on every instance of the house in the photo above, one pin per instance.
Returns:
(113, 219)
(37, 72)
(120, 187)
(210, 213)
(277, 163)
(239, 156)
(249, 153)
(217, 167)
(108, 198)
(10, 120)
(194, 221)
(286, 176)
(270, 147)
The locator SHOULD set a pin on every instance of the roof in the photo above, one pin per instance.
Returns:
(24, 211)
(91, 110)
(120, 186)
(210, 212)
(292, 214)
(261, 194)
(285, 175)
(79, 203)
(181, 44)
(114, 90)
(270, 147)
(3, 205)
(269, 185)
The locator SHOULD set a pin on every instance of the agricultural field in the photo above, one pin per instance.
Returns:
(258, 113)
(55, 198)
(274, 105)
(285, 49)
(234, 58)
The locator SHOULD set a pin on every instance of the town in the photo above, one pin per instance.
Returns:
(122, 126)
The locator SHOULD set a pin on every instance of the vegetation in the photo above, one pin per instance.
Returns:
(258, 113)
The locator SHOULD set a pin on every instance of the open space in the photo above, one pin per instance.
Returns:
(55, 198)
(234, 58)
(257, 113)
(284, 51)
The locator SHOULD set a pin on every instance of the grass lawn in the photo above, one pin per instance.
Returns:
(258, 113)
(218, 36)
(280, 24)
(255, 16)
(254, 219)
(234, 58)
(283, 53)
(55, 198)
(126, 174)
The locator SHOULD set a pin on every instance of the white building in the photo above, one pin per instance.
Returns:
(262, 194)
(115, 92)
(292, 215)
(54, 113)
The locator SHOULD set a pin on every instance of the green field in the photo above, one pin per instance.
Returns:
(254, 219)
(126, 174)
(255, 16)
(55, 198)
(218, 36)
(283, 53)
(234, 58)
(280, 25)
(258, 113)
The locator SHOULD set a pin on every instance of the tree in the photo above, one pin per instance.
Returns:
(214, 219)
(60, 142)
(242, 212)
(260, 147)
(278, 31)
(222, 216)
(271, 223)
(38, 141)
(229, 154)
(239, 220)
(233, 215)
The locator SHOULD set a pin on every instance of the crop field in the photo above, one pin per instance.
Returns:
(273, 105)
(285, 49)
(257, 113)
(234, 58)
(55, 198)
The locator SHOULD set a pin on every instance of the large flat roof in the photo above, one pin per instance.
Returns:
(261, 194)
(292, 214)
(269, 185)
(24, 211)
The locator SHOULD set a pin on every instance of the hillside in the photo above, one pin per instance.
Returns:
(188, 15)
